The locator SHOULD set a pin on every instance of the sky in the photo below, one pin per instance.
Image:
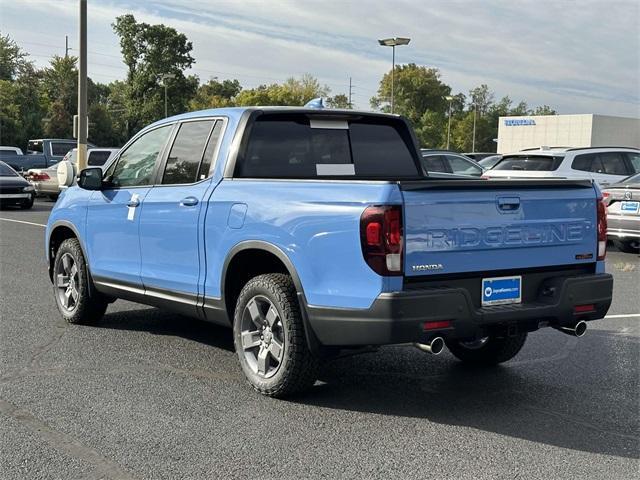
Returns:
(575, 56)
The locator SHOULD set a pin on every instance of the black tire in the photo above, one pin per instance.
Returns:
(89, 307)
(628, 246)
(53, 196)
(297, 370)
(495, 349)
(27, 205)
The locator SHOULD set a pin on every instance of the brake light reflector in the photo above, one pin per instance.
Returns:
(602, 228)
(381, 236)
(39, 176)
(584, 308)
(437, 325)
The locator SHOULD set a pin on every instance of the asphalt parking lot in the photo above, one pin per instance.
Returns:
(147, 394)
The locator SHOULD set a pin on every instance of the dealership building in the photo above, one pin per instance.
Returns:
(518, 133)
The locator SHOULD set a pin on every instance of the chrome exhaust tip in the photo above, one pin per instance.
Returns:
(434, 347)
(578, 330)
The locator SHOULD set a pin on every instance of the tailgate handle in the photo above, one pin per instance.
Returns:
(508, 204)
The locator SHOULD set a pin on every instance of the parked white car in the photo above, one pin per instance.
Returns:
(605, 165)
(46, 180)
(6, 150)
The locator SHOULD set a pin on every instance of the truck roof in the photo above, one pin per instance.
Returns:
(235, 113)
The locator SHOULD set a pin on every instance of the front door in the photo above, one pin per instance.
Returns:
(171, 236)
(113, 216)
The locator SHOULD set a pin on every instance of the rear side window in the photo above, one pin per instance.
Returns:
(97, 159)
(533, 163)
(8, 152)
(584, 163)
(634, 158)
(61, 148)
(210, 151)
(434, 163)
(286, 146)
(613, 163)
(461, 166)
(186, 153)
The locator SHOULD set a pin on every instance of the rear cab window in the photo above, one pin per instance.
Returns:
(61, 148)
(309, 146)
(532, 163)
(98, 158)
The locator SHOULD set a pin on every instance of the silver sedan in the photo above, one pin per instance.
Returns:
(623, 213)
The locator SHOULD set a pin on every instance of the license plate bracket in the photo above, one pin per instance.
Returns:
(501, 290)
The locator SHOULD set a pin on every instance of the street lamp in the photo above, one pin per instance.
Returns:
(449, 98)
(164, 78)
(393, 42)
(475, 114)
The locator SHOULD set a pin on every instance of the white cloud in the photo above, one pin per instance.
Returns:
(577, 57)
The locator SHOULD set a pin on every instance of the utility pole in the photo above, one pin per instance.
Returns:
(66, 46)
(164, 78)
(82, 90)
(475, 114)
(350, 86)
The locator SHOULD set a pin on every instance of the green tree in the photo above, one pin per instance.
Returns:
(13, 60)
(339, 101)
(215, 94)
(294, 92)
(482, 98)
(417, 89)
(60, 86)
(544, 110)
(149, 51)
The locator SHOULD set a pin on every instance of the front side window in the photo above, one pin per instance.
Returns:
(460, 166)
(186, 153)
(7, 171)
(135, 165)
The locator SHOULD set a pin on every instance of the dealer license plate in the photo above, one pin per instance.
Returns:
(501, 290)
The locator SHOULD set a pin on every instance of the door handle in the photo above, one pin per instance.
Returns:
(134, 202)
(189, 202)
(508, 204)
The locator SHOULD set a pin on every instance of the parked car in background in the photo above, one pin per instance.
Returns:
(313, 232)
(604, 165)
(477, 156)
(9, 151)
(46, 181)
(623, 208)
(488, 163)
(41, 153)
(447, 162)
(14, 190)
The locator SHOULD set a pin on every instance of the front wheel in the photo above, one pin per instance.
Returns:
(71, 286)
(628, 246)
(487, 350)
(269, 337)
(28, 204)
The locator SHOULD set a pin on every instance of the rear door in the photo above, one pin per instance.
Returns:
(451, 228)
(113, 216)
(170, 230)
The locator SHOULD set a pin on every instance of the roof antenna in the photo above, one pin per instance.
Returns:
(315, 103)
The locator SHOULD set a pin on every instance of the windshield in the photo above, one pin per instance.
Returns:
(632, 179)
(488, 162)
(529, 163)
(7, 171)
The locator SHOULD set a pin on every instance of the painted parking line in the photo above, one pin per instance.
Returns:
(630, 315)
(22, 221)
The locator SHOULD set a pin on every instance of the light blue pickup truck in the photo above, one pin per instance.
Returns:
(315, 232)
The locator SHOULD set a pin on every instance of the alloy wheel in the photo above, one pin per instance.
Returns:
(68, 282)
(262, 336)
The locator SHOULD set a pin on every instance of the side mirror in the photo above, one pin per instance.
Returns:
(90, 178)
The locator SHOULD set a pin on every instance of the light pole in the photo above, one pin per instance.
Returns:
(475, 114)
(82, 89)
(164, 78)
(449, 98)
(393, 42)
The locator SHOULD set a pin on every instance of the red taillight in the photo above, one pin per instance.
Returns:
(602, 228)
(381, 238)
(437, 325)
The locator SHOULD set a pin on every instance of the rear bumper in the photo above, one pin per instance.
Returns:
(623, 226)
(399, 317)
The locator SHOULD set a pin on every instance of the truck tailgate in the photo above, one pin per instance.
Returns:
(455, 226)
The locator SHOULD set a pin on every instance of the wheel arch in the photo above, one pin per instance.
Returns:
(238, 269)
(61, 231)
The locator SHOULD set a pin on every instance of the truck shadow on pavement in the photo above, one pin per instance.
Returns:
(551, 400)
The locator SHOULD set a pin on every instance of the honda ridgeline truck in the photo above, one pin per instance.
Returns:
(313, 232)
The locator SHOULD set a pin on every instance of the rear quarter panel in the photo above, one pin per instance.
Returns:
(316, 224)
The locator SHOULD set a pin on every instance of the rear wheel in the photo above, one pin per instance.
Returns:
(628, 246)
(71, 286)
(269, 337)
(487, 350)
